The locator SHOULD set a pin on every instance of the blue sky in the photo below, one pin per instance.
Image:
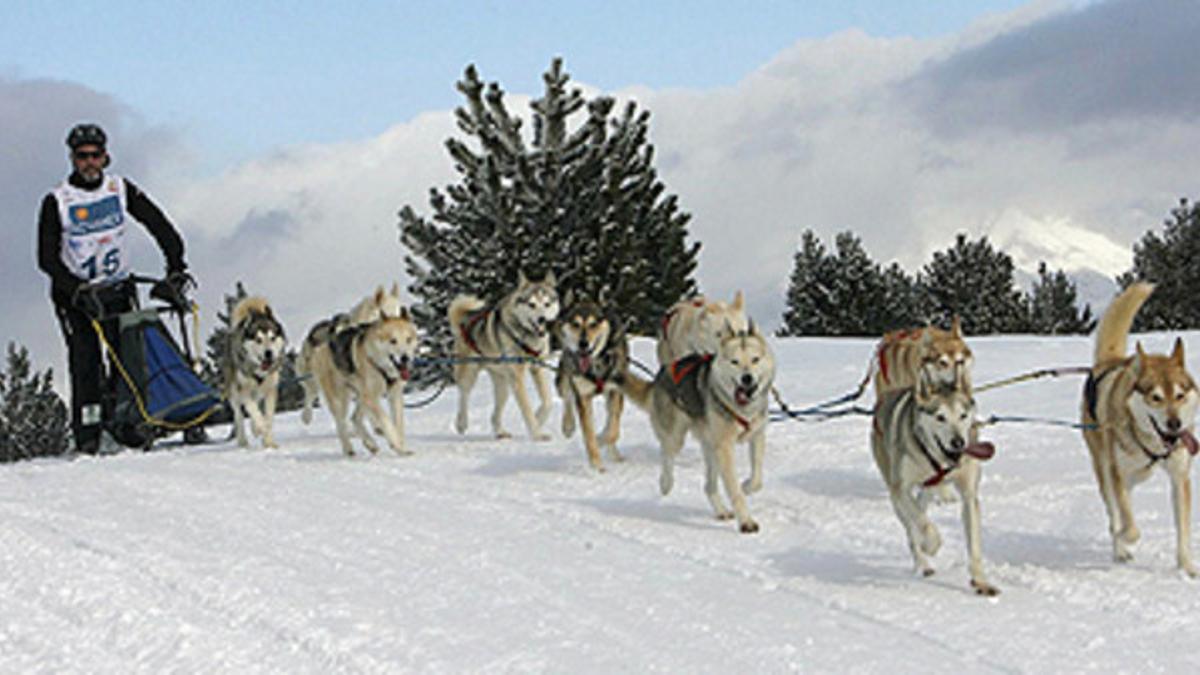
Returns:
(282, 138)
(242, 78)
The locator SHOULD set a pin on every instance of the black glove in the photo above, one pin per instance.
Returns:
(174, 289)
(86, 300)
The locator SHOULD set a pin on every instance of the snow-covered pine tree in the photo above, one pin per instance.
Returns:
(809, 303)
(975, 281)
(845, 292)
(1170, 261)
(905, 302)
(583, 202)
(1053, 307)
(34, 421)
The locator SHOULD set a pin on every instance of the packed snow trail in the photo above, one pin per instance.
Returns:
(482, 555)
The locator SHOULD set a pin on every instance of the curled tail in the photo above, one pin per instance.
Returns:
(637, 389)
(460, 308)
(1113, 332)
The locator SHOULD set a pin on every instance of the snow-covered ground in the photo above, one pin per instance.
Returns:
(477, 555)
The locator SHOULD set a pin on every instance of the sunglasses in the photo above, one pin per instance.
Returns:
(89, 154)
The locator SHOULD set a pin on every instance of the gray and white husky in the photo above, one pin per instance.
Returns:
(922, 436)
(721, 399)
(516, 328)
(254, 356)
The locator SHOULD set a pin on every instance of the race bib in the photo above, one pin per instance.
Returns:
(94, 231)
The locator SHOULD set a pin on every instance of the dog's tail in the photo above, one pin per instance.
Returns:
(637, 389)
(248, 305)
(304, 373)
(1113, 333)
(460, 308)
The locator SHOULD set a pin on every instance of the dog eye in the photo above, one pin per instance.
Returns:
(941, 417)
(1179, 396)
(1156, 397)
(735, 362)
(754, 361)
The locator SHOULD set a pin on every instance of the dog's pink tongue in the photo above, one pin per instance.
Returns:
(1190, 441)
(981, 450)
(585, 363)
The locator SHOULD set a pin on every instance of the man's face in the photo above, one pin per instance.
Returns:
(88, 161)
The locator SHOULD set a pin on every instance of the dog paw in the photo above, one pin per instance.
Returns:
(541, 437)
(724, 515)
(403, 452)
(1188, 568)
(460, 424)
(503, 435)
(748, 527)
(751, 486)
(1122, 555)
(1130, 534)
(614, 455)
(306, 416)
(665, 482)
(270, 443)
(984, 588)
(924, 571)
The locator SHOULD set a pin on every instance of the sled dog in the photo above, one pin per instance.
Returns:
(721, 399)
(595, 358)
(380, 304)
(517, 327)
(367, 362)
(254, 356)
(901, 355)
(1143, 407)
(922, 436)
(697, 326)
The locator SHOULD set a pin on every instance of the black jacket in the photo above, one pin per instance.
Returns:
(62, 282)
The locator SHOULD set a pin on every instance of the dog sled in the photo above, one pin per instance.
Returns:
(152, 389)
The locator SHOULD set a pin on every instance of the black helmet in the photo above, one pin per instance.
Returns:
(86, 134)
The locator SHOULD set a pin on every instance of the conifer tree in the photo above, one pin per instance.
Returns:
(1053, 307)
(34, 421)
(975, 281)
(1170, 262)
(809, 302)
(579, 198)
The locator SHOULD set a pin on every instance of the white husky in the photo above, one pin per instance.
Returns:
(721, 399)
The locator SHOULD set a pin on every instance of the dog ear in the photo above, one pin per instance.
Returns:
(404, 313)
(1177, 353)
(956, 327)
(924, 389)
(550, 279)
(1139, 358)
(521, 280)
(752, 328)
(739, 301)
(396, 289)
(380, 294)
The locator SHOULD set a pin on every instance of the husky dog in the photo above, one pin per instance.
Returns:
(595, 359)
(1142, 411)
(254, 356)
(516, 327)
(369, 361)
(901, 355)
(721, 399)
(697, 326)
(922, 436)
(378, 305)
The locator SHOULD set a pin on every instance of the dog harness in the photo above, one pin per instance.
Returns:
(467, 329)
(682, 380)
(609, 370)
